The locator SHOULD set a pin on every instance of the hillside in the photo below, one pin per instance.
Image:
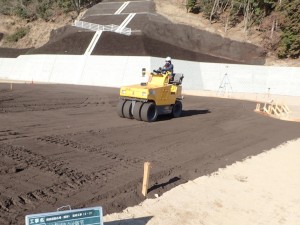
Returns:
(174, 10)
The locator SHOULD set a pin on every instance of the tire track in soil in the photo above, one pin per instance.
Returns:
(74, 178)
(60, 140)
(158, 156)
(29, 159)
(108, 172)
(110, 196)
(10, 134)
(24, 105)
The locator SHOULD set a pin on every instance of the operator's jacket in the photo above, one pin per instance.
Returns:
(168, 67)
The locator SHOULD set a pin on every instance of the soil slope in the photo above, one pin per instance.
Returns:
(152, 35)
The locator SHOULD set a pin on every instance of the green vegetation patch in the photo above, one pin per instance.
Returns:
(16, 36)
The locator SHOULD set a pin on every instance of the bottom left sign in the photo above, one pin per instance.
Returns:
(86, 216)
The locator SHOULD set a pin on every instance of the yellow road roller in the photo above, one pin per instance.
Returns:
(145, 101)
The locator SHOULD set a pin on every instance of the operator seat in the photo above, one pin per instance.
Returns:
(177, 79)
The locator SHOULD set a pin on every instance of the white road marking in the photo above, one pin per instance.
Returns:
(125, 22)
(107, 3)
(93, 43)
(122, 8)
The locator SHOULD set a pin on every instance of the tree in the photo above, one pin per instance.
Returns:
(77, 5)
(289, 46)
(190, 4)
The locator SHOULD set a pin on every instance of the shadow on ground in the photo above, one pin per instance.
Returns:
(156, 186)
(135, 221)
(194, 112)
(185, 113)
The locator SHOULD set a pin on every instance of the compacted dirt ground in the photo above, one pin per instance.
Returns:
(65, 145)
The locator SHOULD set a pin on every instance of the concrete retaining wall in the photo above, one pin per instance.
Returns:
(115, 71)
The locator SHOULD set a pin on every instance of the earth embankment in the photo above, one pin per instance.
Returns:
(152, 35)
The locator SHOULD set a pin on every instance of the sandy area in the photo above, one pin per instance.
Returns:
(292, 102)
(260, 190)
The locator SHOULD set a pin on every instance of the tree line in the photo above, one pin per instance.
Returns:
(44, 9)
(277, 20)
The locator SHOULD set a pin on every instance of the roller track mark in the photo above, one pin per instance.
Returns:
(94, 100)
(4, 91)
(27, 158)
(74, 182)
(109, 131)
(6, 204)
(6, 100)
(84, 103)
(30, 199)
(59, 140)
(18, 201)
(23, 105)
(167, 152)
(105, 173)
(129, 187)
(113, 170)
(11, 170)
(55, 191)
(10, 135)
(24, 156)
(162, 155)
(4, 131)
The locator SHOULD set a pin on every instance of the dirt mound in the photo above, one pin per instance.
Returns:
(142, 45)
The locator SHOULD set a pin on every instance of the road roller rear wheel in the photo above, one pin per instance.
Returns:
(177, 109)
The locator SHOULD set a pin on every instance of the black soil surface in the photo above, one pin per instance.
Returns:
(13, 52)
(143, 45)
(152, 35)
(65, 145)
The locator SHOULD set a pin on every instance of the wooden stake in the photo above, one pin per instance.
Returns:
(146, 178)
(11, 86)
